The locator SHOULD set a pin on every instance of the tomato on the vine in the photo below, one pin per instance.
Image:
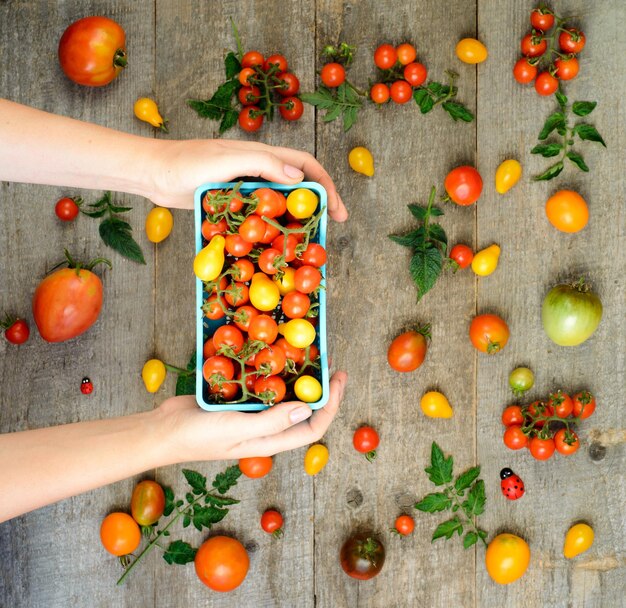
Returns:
(514, 438)
(236, 246)
(401, 91)
(219, 365)
(286, 244)
(584, 405)
(242, 270)
(271, 389)
(512, 415)
(566, 68)
(291, 108)
(147, 502)
(489, 333)
(561, 403)
(541, 19)
(252, 59)
(406, 53)
(67, 208)
(333, 75)
(272, 522)
(523, 71)
(209, 230)
(464, 185)
(314, 255)
(270, 203)
(222, 563)
(542, 449)
(572, 41)
(461, 255)
(379, 93)
(269, 261)
(276, 62)
(255, 467)
(415, 74)
(270, 361)
(291, 352)
(546, 84)
(244, 76)
(307, 279)
(249, 95)
(385, 56)
(566, 442)
(120, 534)
(534, 48)
(214, 307)
(250, 119)
(290, 84)
(230, 336)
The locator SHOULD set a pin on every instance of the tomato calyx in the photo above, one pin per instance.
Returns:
(69, 262)
(120, 59)
(493, 347)
(368, 549)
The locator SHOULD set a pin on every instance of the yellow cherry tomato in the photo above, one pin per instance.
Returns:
(159, 223)
(302, 203)
(153, 374)
(299, 332)
(470, 50)
(308, 389)
(264, 293)
(507, 558)
(286, 283)
(315, 459)
(507, 175)
(435, 405)
(210, 260)
(361, 161)
(486, 261)
(147, 110)
(577, 540)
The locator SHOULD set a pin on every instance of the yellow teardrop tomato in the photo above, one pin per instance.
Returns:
(315, 459)
(210, 260)
(153, 374)
(146, 109)
(264, 294)
(308, 389)
(159, 223)
(302, 203)
(486, 261)
(507, 558)
(507, 175)
(435, 405)
(577, 540)
(287, 283)
(470, 50)
(361, 161)
(299, 333)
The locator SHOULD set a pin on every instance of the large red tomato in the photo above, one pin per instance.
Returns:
(67, 303)
(92, 51)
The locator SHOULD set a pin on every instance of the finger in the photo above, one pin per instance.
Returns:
(304, 433)
(266, 164)
(273, 420)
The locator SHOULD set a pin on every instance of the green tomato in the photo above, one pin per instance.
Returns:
(521, 379)
(571, 314)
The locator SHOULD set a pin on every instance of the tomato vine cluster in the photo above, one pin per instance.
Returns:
(545, 426)
(266, 286)
(549, 52)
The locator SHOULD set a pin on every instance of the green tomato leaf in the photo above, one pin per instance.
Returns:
(435, 87)
(205, 108)
(117, 234)
(583, 108)
(418, 212)
(419, 95)
(470, 539)
(448, 528)
(427, 104)
(457, 111)
(438, 234)
(475, 503)
(205, 517)
(578, 160)
(412, 239)
(465, 480)
(229, 120)
(552, 122)
(226, 480)
(220, 501)
(322, 98)
(349, 118)
(224, 93)
(179, 552)
(561, 99)
(97, 213)
(437, 501)
(550, 172)
(547, 150)
(186, 384)
(425, 268)
(232, 66)
(588, 132)
(332, 114)
(170, 503)
(440, 469)
(196, 481)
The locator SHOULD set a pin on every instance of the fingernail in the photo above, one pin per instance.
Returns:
(293, 172)
(299, 414)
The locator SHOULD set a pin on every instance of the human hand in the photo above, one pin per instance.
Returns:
(181, 166)
(193, 434)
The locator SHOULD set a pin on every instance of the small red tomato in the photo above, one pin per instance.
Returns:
(385, 56)
(379, 93)
(333, 75)
(462, 256)
(561, 403)
(524, 72)
(511, 485)
(572, 41)
(464, 185)
(566, 69)
(401, 91)
(407, 352)
(415, 74)
(514, 438)
(250, 119)
(255, 467)
(16, 331)
(291, 108)
(512, 415)
(546, 84)
(251, 59)
(272, 523)
(533, 45)
(245, 75)
(365, 441)
(275, 62)
(542, 449)
(406, 53)
(566, 442)
(86, 386)
(248, 96)
(68, 208)
(584, 404)
(289, 85)
(541, 19)
(404, 525)
(314, 255)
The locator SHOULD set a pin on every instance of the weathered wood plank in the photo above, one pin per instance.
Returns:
(534, 258)
(192, 39)
(53, 557)
(372, 300)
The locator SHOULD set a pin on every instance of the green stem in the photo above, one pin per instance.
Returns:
(453, 495)
(356, 89)
(237, 40)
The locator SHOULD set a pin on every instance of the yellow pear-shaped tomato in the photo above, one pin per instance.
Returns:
(210, 260)
(308, 389)
(299, 332)
(435, 405)
(264, 293)
(159, 223)
(361, 161)
(470, 50)
(153, 374)
(486, 261)
(147, 110)
(315, 459)
(577, 540)
(507, 558)
(286, 283)
(507, 175)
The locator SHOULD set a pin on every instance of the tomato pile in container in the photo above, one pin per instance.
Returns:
(260, 293)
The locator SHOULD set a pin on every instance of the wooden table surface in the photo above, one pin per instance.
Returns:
(53, 557)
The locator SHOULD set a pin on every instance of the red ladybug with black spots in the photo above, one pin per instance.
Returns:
(512, 485)
(86, 386)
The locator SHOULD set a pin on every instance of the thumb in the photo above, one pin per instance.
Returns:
(269, 167)
(275, 419)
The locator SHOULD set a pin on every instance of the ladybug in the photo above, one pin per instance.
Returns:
(512, 486)
(86, 386)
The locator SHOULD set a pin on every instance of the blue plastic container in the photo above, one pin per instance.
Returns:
(206, 327)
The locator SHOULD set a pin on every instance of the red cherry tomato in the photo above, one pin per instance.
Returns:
(252, 59)
(307, 279)
(514, 438)
(244, 76)
(406, 53)
(584, 405)
(255, 467)
(533, 48)
(513, 415)
(272, 522)
(404, 525)
(524, 72)
(291, 108)
(385, 56)
(415, 74)
(542, 449)
(249, 95)
(250, 119)
(379, 93)
(566, 442)
(541, 19)
(546, 84)
(365, 441)
(314, 255)
(277, 62)
(333, 75)
(572, 41)
(462, 255)
(16, 331)
(464, 185)
(290, 84)
(566, 69)
(401, 91)
(67, 208)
